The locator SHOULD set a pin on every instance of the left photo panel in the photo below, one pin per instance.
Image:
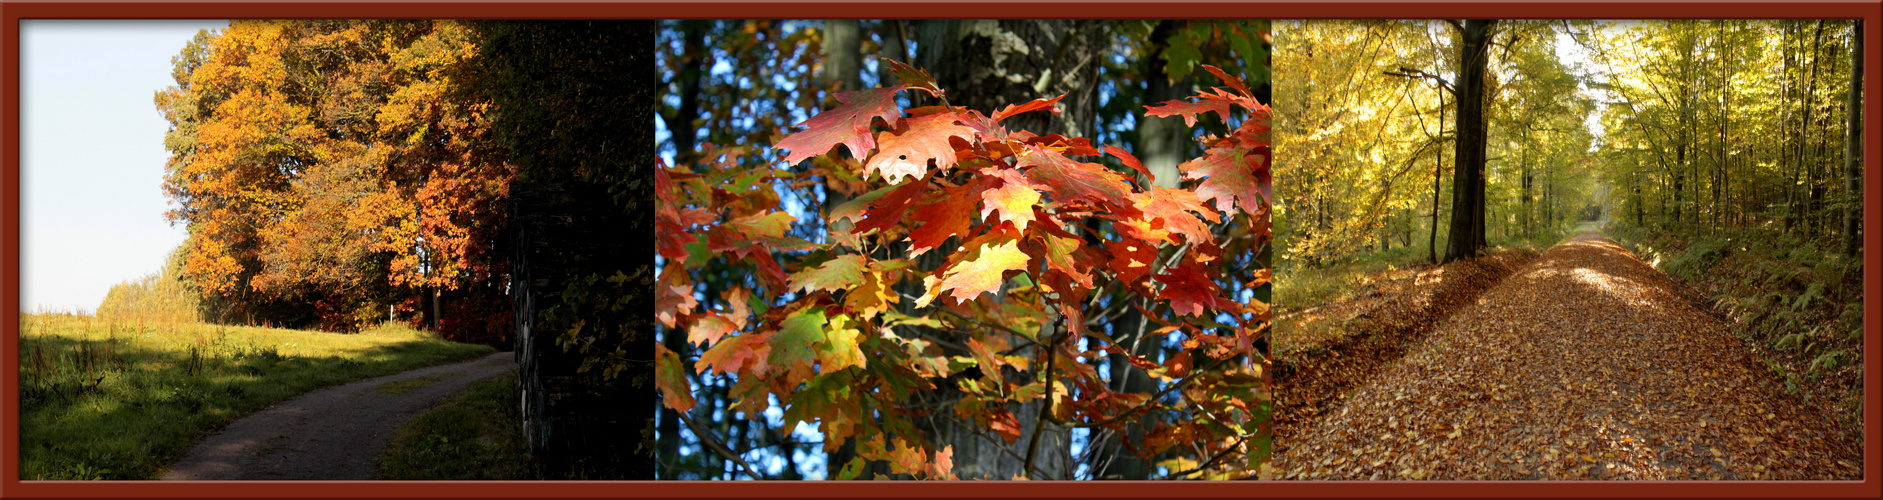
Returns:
(958, 250)
(335, 250)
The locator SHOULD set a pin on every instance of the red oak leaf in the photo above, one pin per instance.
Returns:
(907, 154)
(1072, 181)
(983, 273)
(1130, 161)
(736, 299)
(1014, 197)
(1233, 82)
(773, 224)
(1062, 256)
(847, 124)
(1188, 110)
(797, 339)
(740, 354)
(947, 216)
(984, 128)
(913, 77)
(841, 273)
(1173, 207)
(709, 328)
(1034, 105)
(673, 295)
(1130, 259)
(1190, 291)
(889, 208)
(1005, 424)
(1233, 179)
(670, 376)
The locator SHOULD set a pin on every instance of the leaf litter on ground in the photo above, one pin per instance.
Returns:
(1584, 364)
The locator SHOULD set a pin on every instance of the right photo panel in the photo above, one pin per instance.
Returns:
(1548, 249)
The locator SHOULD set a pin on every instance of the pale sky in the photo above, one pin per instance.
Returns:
(92, 157)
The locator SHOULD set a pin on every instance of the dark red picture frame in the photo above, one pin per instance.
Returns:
(1870, 11)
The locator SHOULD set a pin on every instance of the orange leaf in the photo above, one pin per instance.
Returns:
(1014, 198)
(907, 154)
(848, 124)
(983, 274)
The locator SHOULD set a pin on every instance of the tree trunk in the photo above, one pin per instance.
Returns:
(1853, 146)
(1467, 224)
(985, 65)
(1438, 176)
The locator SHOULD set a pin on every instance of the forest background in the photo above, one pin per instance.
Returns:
(1725, 152)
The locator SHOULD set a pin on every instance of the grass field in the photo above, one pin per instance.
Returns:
(118, 399)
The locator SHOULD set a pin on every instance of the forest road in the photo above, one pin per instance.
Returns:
(334, 433)
(1584, 364)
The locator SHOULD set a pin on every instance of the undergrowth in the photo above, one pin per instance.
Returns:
(475, 434)
(1798, 304)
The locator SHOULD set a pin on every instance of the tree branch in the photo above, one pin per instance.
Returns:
(711, 442)
(1039, 425)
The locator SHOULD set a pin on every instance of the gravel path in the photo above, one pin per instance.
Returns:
(1584, 364)
(334, 433)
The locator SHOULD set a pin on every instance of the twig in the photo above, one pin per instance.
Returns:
(1147, 403)
(1212, 461)
(1039, 424)
(712, 442)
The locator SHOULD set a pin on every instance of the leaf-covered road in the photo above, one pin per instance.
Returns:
(1584, 364)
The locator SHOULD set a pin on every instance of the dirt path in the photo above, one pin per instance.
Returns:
(334, 433)
(1584, 364)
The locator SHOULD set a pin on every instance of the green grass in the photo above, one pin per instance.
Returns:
(476, 434)
(412, 384)
(116, 399)
(1298, 287)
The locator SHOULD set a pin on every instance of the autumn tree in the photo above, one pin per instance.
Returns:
(334, 172)
(999, 318)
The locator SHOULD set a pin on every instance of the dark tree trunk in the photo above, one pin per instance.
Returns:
(1467, 224)
(1853, 146)
(985, 65)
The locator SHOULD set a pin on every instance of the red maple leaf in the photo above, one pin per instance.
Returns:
(847, 124)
